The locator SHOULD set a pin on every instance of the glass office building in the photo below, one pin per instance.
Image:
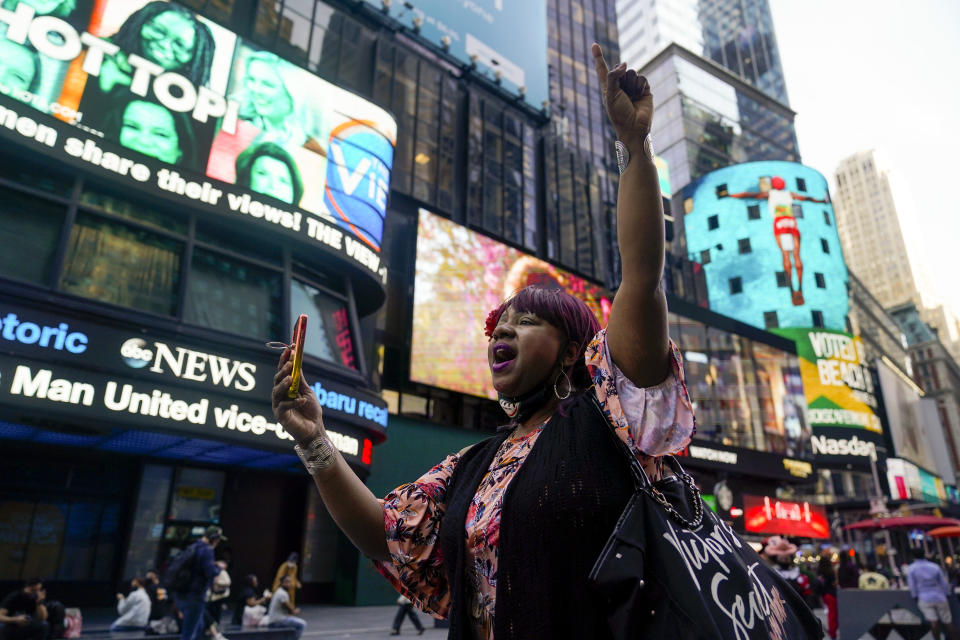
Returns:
(736, 34)
(739, 35)
(708, 118)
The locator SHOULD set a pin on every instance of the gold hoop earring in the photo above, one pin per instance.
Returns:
(569, 386)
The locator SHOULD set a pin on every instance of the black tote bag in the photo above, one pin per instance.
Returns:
(673, 570)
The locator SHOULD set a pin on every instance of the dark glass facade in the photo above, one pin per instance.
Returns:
(739, 35)
(579, 173)
(708, 118)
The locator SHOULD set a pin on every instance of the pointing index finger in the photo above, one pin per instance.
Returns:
(600, 63)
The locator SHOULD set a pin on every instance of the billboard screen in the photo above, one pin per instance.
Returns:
(767, 238)
(505, 37)
(460, 276)
(150, 93)
(763, 514)
(916, 433)
(839, 389)
(746, 393)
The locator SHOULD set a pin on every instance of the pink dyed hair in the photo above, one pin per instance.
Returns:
(567, 313)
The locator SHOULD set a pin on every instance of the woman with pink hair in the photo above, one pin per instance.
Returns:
(500, 537)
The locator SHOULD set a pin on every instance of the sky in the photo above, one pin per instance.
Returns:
(885, 75)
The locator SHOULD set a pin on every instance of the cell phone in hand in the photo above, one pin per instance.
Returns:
(299, 336)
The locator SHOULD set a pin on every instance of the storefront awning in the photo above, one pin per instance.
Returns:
(159, 445)
(945, 532)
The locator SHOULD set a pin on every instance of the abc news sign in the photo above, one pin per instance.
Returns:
(54, 364)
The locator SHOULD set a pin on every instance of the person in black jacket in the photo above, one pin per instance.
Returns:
(190, 601)
(248, 598)
(827, 589)
(848, 573)
(23, 613)
(565, 385)
(159, 602)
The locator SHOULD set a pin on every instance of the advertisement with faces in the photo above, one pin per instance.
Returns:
(161, 82)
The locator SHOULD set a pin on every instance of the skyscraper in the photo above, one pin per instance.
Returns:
(647, 28)
(870, 232)
(875, 248)
(717, 83)
(736, 34)
(579, 167)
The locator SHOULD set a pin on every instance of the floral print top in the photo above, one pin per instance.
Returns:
(652, 421)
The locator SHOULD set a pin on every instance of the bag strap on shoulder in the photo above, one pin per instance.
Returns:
(642, 480)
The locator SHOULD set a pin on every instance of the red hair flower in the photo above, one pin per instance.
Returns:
(491, 323)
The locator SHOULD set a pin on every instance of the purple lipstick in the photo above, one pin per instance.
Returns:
(503, 357)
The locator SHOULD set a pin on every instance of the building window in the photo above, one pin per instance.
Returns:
(220, 10)
(770, 320)
(825, 245)
(753, 212)
(782, 279)
(797, 211)
(121, 207)
(826, 218)
(100, 250)
(821, 281)
(705, 256)
(331, 335)
(230, 295)
(29, 235)
(817, 319)
(713, 222)
(743, 245)
(736, 285)
(801, 184)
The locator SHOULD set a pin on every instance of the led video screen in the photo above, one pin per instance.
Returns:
(766, 236)
(836, 381)
(764, 514)
(158, 95)
(912, 430)
(460, 276)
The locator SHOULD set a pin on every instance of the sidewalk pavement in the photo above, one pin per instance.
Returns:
(323, 621)
(360, 622)
(332, 622)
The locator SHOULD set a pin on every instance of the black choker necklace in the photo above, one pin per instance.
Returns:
(519, 408)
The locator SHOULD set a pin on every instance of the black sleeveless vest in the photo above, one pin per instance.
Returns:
(557, 514)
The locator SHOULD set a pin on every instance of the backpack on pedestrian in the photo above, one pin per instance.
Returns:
(179, 573)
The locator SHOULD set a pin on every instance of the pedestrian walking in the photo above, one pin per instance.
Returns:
(827, 589)
(515, 524)
(134, 608)
(189, 576)
(23, 613)
(289, 568)
(848, 573)
(216, 601)
(928, 586)
(404, 609)
(282, 613)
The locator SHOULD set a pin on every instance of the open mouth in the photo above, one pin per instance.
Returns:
(502, 356)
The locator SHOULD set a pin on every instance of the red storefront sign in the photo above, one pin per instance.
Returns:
(763, 514)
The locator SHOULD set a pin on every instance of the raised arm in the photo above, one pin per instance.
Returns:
(746, 195)
(637, 330)
(809, 199)
(353, 506)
